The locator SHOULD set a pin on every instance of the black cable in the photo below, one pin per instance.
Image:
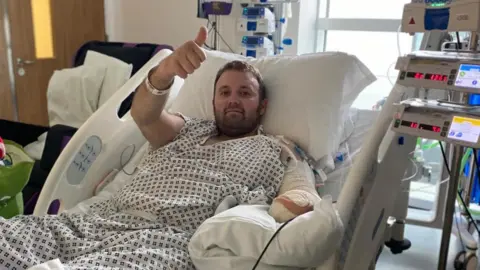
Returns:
(477, 163)
(459, 194)
(214, 27)
(269, 242)
(445, 160)
(459, 44)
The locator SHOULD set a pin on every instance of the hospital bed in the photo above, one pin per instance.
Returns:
(107, 148)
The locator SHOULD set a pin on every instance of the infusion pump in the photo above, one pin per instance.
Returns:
(440, 70)
(436, 120)
(442, 15)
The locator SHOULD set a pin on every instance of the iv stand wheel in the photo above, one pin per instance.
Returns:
(397, 247)
(465, 261)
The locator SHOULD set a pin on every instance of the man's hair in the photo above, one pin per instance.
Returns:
(243, 66)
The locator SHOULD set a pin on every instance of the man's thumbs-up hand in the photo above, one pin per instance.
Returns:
(182, 62)
(202, 36)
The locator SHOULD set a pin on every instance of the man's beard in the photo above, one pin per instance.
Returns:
(236, 128)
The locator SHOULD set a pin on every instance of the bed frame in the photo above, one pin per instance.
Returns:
(365, 202)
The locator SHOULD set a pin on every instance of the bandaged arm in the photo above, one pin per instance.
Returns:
(297, 194)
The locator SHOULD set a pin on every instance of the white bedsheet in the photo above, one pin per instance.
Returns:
(363, 120)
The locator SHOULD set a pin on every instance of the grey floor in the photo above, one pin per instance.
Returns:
(423, 254)
(424, 251)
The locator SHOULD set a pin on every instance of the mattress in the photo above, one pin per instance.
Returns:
(363, 121)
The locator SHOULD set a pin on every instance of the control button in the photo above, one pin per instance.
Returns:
(450, 82)
(446, 123)
(453, 71)
(445, 128)
(451, 77)
(443, 134)
(397, 123)
(474, 82)
(451, 133)
(402, 75)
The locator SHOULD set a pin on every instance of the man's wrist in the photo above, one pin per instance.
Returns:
(154, 89)
(159, 83)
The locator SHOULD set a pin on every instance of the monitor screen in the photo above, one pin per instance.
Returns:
(468, 76)
(464, 129)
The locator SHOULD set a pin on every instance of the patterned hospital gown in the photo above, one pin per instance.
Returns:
(148, 223)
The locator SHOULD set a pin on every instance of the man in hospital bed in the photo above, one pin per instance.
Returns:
(191, 166)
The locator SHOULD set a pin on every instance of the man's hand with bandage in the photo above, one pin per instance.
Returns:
(297, 194)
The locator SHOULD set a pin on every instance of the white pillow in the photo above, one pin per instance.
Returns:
(234, 239)
(118, 73)
(73, 93)
(309, 95)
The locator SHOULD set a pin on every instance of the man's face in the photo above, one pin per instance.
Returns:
(237, 104)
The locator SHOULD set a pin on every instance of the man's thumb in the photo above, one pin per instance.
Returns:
(201, 36)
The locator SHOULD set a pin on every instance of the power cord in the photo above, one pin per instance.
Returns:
(477, 163)
(269, 242)
(459, 193)
(459, 44)
(445, 161)
(214, 28)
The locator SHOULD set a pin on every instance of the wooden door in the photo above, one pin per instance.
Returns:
(7, 110)
(45, 36)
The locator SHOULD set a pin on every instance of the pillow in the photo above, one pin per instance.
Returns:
(72, 95)
(117, 74)
(234, 239)
(309, 95)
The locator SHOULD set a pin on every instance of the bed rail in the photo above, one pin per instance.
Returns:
(97, 148)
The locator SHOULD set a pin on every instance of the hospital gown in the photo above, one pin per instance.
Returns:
(148, 223)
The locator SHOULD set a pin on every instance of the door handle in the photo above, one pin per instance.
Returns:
(21, 62)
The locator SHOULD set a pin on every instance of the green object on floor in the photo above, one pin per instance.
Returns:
(13, 178)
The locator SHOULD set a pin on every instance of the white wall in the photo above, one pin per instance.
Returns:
(175, 21)
(158, 21)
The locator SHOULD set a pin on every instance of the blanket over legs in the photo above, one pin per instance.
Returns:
(148, 223)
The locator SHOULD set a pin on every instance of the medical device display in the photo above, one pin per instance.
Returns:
(258, 13)
(256, 20)
(440, 70)
(256, 46)
(451, 15)
(449, 118)
(258, 26)
(436, 120)
(83, 160)
(256, 23)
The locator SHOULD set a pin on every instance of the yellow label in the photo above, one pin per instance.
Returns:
(461, 120)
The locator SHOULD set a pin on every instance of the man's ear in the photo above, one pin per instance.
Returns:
(263, 106)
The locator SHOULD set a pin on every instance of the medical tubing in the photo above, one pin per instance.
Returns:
(459, 195)
(292, 155)
(367, 159)
(269, 242)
